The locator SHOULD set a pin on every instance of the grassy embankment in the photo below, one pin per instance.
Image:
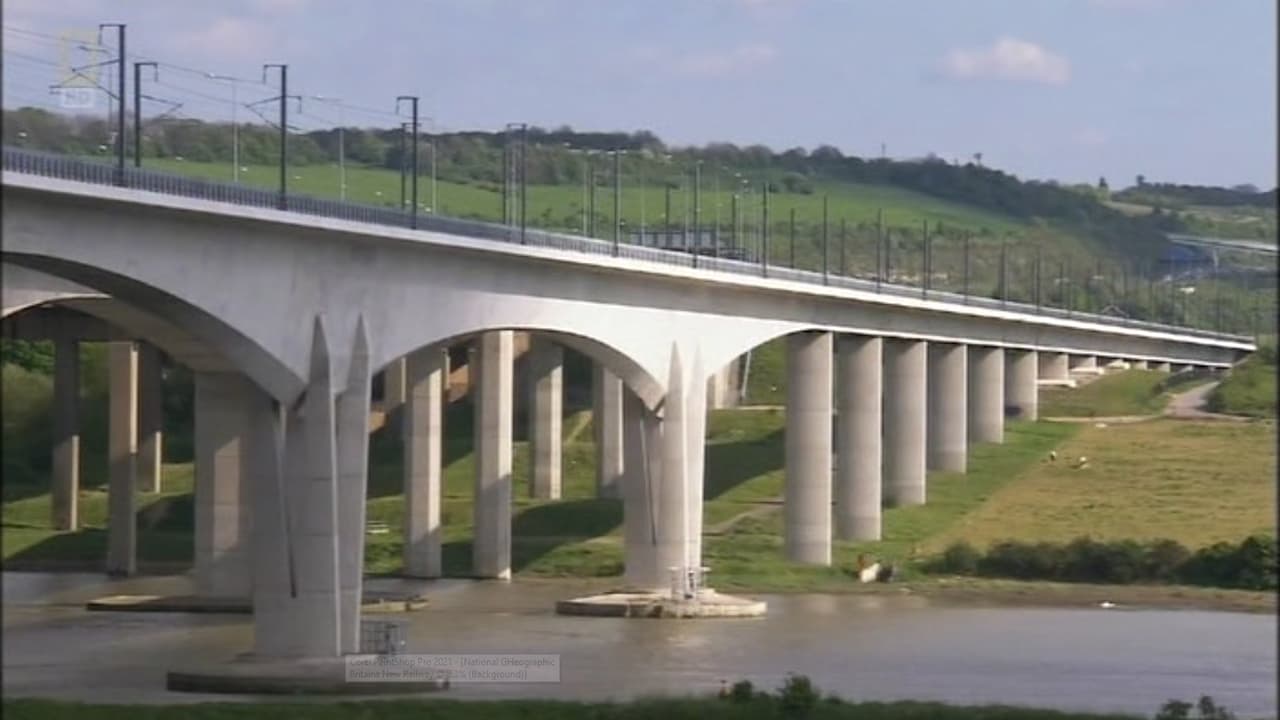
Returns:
(1191, 482)
(671, 709)
(561, 207)
(1250, 388)
(1119, 394)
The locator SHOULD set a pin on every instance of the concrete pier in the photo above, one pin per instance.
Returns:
(395, 391)
(905, 381)
(642, 430)
(491, 546)
(223, 474)
(546, 373)
(986, 394)
(722, 388)
(947, 401)
(859, 364)
(1054, 366)
(351, 443)
(1021, 393)
(122, 449)
(1138, 364)
(150, 419)
(1161, 366)
(425, 373)
(606, 420)
(807, 488)
(65, 491)
(679, 494)
(1082, 363)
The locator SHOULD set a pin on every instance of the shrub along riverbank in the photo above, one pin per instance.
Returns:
(1249, 565)
(796, 698)
(1250, 388)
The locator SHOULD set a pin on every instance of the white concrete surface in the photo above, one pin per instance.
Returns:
(807, 483)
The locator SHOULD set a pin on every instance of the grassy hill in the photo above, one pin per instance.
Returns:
(1250, 388)
(1125, 393)
(1194, 482)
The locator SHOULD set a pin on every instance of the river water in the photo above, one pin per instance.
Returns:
(857, 646)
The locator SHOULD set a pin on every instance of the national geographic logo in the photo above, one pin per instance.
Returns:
(80, 65)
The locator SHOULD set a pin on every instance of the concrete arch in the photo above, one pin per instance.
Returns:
(633, 374)
(96, 318)
(190, 332)
(24, 288)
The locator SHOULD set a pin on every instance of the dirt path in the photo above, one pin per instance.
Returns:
(1186, 405)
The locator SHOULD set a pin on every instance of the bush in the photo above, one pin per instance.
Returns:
(1251, 565)
(960, 558)
(742, 691)
(797, 695)
(1162, 560)
(1206, 709)
(1021, 560)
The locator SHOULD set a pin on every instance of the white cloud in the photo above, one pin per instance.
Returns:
(227, 38)
(279, 7)
(1007, 59)
(1090, 137)
(725, 62)
(1129, 4)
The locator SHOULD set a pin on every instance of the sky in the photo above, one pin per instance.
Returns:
(1071, 90)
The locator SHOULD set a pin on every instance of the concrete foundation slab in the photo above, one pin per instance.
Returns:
(660, 605)
(305, 676)
(372, 603)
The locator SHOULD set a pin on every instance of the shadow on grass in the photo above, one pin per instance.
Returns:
(729, 465)
(87, 548)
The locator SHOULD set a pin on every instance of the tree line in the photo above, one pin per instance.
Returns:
(565, 156)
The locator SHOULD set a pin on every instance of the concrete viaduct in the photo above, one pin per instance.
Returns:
(286, 317)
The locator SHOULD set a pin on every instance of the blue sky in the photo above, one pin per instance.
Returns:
(1177, 90)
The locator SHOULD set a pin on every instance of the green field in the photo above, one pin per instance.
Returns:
(1250, 387)
(1194, 482)
(561, 206)
(763, 708)
(1118, 394)
(579, 535)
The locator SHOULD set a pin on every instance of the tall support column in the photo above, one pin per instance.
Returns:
(1053, 366)
(426, 372)
(678, 525)
(491, 546)
(1021, 394)
(122, 455)
(905, 381)
(986, 394)
(351, 429)
(1083, 363)
(947, 432)
(66, 434)
(722, 388)
(223, 476)
(643, 446)
(394, 386)
(807, 495)
(150, 418)
(297, 530)
(606, 420)
(546, 371)
(857, 488)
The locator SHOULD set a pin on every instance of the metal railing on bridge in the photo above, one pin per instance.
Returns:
(89, 170)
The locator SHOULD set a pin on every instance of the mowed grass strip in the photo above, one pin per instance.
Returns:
(1250, 388)
(1124, 393)
(1194, 482)
(750, 556)
(691, 708)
